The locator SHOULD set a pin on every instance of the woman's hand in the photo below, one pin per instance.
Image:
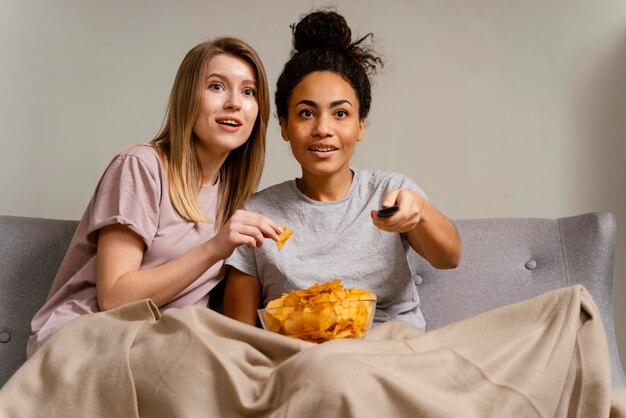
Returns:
(244, 228)
(411, 208)
(429, 232)
(119, 279)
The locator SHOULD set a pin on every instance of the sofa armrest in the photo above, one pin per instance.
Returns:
(31, 250)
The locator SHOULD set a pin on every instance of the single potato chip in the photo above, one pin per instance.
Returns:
(283, 237)
(322, 312)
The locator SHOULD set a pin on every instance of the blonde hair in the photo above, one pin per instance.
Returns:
(241, 172)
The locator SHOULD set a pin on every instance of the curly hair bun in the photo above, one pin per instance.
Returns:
(322, 41)
(322, 29)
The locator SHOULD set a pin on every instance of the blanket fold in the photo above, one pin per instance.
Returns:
(545, 357)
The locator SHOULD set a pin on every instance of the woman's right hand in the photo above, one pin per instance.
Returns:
(244, 228)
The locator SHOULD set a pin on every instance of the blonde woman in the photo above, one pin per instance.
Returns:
(166, 214)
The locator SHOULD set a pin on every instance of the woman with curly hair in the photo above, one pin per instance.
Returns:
(323, 98)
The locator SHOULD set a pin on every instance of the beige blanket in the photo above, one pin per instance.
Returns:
(546, 357)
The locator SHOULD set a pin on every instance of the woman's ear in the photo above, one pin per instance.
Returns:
(283, 129)
(361, 133)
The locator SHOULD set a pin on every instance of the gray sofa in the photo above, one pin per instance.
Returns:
(504, 261)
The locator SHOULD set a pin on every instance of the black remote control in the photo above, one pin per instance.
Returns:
(387, 212)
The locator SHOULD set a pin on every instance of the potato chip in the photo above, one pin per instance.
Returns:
(322, 312)
(283, 237)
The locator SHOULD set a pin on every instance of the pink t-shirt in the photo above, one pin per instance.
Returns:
(133, 191)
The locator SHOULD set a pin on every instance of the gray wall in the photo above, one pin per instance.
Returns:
(496, 108)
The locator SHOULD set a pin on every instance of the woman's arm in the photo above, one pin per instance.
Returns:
(242, 296)
(120, 252)
(428, 231)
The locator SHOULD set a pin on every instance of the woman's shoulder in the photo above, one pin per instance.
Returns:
(380, 176)
(144, 152)
(140, 158)
(379, 179)
(271, 194)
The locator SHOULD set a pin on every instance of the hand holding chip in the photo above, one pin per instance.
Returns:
(283, 237)
(244, 228)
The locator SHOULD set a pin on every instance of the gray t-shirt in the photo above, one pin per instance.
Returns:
(335, 240)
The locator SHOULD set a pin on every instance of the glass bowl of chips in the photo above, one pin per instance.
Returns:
(321, 313)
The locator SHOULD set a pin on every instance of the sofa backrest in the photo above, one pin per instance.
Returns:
(504, 261)
(510, 260)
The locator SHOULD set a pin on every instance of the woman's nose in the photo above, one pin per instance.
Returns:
(322, 127)
(233, 102)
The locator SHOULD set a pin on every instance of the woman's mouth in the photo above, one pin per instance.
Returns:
(229, 122)
(322, 149)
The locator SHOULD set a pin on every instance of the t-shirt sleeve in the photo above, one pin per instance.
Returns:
(129, 193)
(244, 259)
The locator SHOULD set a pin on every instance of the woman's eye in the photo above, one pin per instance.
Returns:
(249, 92)
(341, 113)
(215, 86)
(306, 113)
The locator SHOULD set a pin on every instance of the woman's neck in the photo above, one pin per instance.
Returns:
(210, 165)
(325, 188)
